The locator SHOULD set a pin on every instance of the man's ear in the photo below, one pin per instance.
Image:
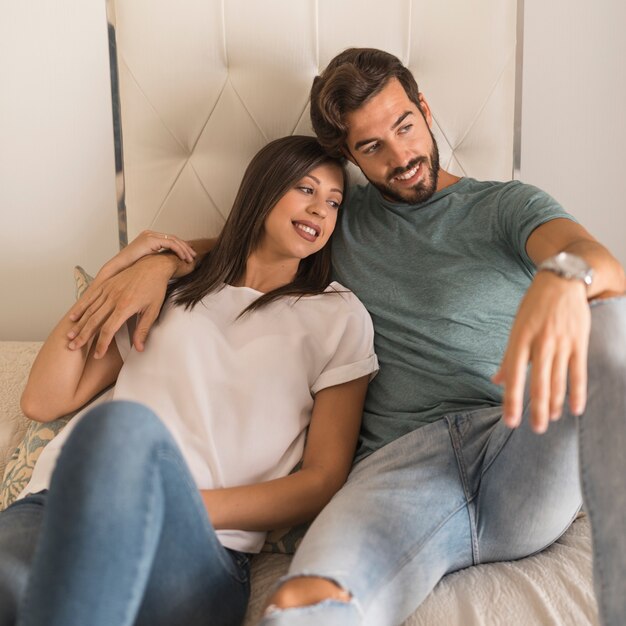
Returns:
(425, 109)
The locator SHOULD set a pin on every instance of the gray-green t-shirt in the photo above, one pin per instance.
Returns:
(442, 281)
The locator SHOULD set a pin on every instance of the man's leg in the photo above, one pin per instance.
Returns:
(528, 490)
(19, 530)
(603, 456)
(384, 541)
(125, 537)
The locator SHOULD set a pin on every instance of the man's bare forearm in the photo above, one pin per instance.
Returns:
(201, 247)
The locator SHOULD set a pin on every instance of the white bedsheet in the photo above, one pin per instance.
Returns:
(552, 588)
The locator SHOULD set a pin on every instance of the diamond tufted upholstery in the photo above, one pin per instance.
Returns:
(205, 83)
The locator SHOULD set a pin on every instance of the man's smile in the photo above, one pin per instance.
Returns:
(411, 176)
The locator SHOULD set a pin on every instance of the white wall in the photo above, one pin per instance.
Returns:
(57, 199)
(57, 194)
(573, 124)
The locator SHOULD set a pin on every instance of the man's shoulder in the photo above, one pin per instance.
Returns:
(495, 193)
(359, 194)
(474, 185)
(502, 186)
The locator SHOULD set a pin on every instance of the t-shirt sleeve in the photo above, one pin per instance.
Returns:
(353, 355)
(521, 209)
(122, 341)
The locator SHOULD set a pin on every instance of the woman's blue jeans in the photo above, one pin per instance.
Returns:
(467, 490)
(122, 537)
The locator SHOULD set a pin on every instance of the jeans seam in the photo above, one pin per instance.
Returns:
(485, 469)
(146, 517)
(456, 446)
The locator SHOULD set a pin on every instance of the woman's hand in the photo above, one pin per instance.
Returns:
(147, 242)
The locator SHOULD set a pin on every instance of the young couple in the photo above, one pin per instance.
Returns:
(462, 457)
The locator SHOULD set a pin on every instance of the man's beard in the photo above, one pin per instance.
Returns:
(424, 189)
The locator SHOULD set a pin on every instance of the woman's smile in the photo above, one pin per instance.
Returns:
(307, 230)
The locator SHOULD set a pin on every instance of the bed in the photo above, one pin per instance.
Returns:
(549, 589)
(198, 87)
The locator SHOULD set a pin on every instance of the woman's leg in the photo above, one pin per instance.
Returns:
(126, 538)
(19, 530)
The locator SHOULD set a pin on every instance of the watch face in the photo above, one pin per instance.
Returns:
(571, 263)
(570, 266)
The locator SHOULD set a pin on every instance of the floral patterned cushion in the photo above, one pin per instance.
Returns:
(20, 466)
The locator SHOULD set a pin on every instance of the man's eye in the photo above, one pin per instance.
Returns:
(405, 129)
(372, 148)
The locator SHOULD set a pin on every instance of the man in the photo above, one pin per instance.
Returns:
(449, 471)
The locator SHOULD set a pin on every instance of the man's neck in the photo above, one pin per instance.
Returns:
(445, 179)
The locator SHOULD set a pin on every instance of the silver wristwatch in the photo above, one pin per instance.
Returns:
(569, 266)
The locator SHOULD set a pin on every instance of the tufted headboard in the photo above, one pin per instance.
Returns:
(201, 85)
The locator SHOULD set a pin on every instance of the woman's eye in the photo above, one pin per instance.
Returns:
(305, 189)
(334, 204)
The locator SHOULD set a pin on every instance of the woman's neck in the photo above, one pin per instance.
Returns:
(265, 275)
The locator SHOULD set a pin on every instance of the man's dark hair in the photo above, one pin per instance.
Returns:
(349, 80)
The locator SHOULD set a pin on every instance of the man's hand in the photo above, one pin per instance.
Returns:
(106, 305)
(151, 242)
(146, 243)
(551, 332)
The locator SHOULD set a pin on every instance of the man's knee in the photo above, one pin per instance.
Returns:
(608, 335)
(306, 591)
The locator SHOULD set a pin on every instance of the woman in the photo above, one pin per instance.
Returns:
(150, 520)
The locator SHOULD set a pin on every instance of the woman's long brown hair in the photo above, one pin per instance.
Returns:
(274, 170)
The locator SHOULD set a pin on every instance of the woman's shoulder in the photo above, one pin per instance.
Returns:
(336, 287)
(343, 298)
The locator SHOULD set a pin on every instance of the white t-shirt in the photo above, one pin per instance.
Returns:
(237, 394)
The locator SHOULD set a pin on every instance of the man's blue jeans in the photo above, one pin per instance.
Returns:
(121, 538)
(467, 490)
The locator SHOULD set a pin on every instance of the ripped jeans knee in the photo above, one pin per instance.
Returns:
(304, 599)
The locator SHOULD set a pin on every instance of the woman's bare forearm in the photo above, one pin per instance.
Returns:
(279, 503)
(62, 380)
